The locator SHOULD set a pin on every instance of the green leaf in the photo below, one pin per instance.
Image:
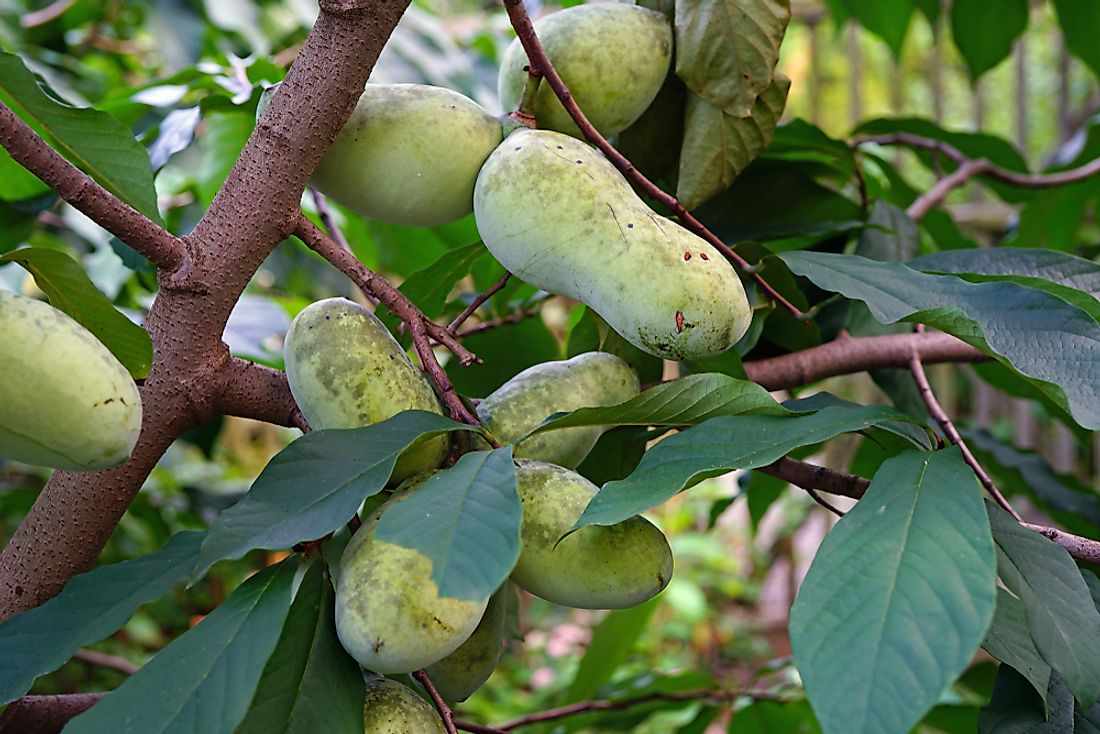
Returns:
(70, 290)
(466, 520)
(887, 20)
(90, 607)
(1009, 640)
(1060, 614)
(204, 679)
(612, 641)
(19, 218)
(429, 287)
(898, 597)
(772, 717)
(890, 234)
(684, 402)
(719, 445)
(309, 683)
(513, 347)
(315, 485)
(984, 44)
(1039, 335)
(94, 141)
(1016, 709)
(718, 144)
(1079, 20)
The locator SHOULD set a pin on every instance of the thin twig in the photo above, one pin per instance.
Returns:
(824, 503)
(952, 433)
(476, 303)
(512, 318)
(48, 14)
(540, 64)
(103, 660)
(324, 211)
(441, 706)
(419, 325)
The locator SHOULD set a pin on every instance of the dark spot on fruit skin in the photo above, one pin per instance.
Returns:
(704, 256)
(630, 226)
(378, 644)
(687, 256)
(560, 148)
(579, 161)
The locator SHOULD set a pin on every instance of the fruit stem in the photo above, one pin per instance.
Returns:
(525, 113)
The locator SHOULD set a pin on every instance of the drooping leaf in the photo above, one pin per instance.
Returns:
(92, 140)
(898, 597)
(90, 607)
(612, 641)
(310, 683)
(466, 519)
(719, 445)
(1079, 20)
(684, 402)
(1009, 640)
(887, 20)
(726, 50)
(718, 144)
(204, 679)
(1063, 621)
(315, 485)
(1042, 337)
(983, 44)
(890, 234)
(1017, 709)
(19, 217)
(70, 290)
(428, 288)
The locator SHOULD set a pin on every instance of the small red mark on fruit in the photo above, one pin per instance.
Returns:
(687, 256)
(679, 321)
(704, 256)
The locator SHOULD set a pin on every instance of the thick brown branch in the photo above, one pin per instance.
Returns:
(1083, 549)
(251, 390)
(856, 354)
(44, 714)
(540, 64)
(83, 193)
(971, 167)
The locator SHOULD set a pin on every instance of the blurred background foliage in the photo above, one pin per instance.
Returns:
(186, 76)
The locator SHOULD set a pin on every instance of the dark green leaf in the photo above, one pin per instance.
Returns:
(717, 446)
(309, 683)
(898, 597)
(18, 218)
(616, 454)
(718, 144)
(772, 717)
(70, 290)
(514, 347)
(887, 20)
(94, 141)
(684, 402)
(1017, 709)
(1060, 614)
(1079, 20)
(1009, 640)
(90, 607)
(984, 44)
(726, 50)
(202, 681)
(1041, 336)
(798, 140)
(428, 288)
(890, 234)
(315, 485)
(611, 644)
(466, 520)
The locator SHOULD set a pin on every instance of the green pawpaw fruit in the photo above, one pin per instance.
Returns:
(409, 154)
(389, 615)
(613, 58)
(597, 567)
(346, 370)
(556, 213)
(65, 401)
(464, 671)
(587, 380)
(391, 708)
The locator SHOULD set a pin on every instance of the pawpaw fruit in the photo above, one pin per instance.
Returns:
(465, 670)
(409, 154)
(557, 214)
(389, 615)
(65, 401)
(597, 567)
(613, 58)
(523, 402)
(391, 708)
(346, 370)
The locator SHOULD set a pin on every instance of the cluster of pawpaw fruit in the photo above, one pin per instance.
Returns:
(346, 370)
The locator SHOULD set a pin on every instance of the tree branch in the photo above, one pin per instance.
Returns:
(44, 714)
(540, 65)
(849, 354)
(476, 303)
(103, 660)
(84, 194)
(251, 390)
(441, 706)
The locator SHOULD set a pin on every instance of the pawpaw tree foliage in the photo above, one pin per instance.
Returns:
(139, 196)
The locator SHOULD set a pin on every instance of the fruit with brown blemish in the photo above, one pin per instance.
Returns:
(588, 380)
(579, 230)
(597, 567)
(65, 401)
(391, 708)
(346, 370)
(465, 670)
(389, 614)
(409, 154)
(613, 58)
